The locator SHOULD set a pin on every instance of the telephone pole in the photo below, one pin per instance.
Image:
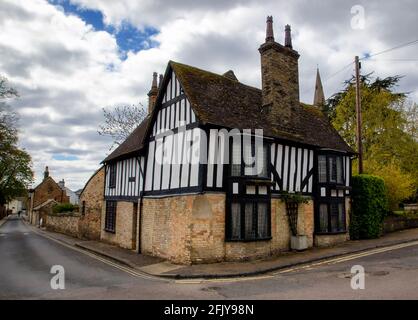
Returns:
(358, 116)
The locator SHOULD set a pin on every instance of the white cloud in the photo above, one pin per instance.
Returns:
(66, 71)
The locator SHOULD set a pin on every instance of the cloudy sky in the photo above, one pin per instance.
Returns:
(70, 58)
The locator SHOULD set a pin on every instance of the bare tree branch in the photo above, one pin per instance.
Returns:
(121, 121)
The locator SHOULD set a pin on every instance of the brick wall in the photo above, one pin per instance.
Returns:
(191, 229)
(92, 196)
(49, 189)
(125, 230)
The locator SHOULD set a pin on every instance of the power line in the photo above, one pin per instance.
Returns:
(410, 43)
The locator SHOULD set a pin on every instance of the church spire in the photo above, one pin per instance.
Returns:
(319, 98)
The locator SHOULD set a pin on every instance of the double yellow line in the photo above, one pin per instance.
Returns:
(128, 270)
(349, 257)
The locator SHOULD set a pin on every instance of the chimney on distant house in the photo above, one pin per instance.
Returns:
(319, 97)
(152, 94)
(160, 82)
(62, 184)
(279, 75)
(46, 173)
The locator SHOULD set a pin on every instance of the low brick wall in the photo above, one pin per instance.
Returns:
(66, 223)
(395, 223)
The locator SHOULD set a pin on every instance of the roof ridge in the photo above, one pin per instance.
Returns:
(171, 62)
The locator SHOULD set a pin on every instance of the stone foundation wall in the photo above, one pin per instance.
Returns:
(191, 229)
(125, 230)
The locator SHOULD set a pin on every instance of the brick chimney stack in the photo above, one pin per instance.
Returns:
(160, 82)
(46, 173)
(287, 37)
(279, 76)
(152, 94)
(269, 29)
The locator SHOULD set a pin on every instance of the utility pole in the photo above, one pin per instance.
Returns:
(358, 116)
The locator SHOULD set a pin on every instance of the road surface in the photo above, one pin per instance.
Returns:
(26, 259)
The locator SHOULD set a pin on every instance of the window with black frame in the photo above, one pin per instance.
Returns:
(112, 176)
(249, 220)
(330, 169)
(331, 217)
(249, 158)
(249, 203)
(110, 217)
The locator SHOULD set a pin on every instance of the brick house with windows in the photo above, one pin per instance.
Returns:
(47, 191)
(202, 178)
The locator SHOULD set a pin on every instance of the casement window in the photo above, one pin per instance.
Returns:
(249, 220)
(248, 161)
(331, 217)
(330, 169)
(112, 176)
(110, 218)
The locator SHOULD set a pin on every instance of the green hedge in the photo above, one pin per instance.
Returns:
(64, 207)
(369, 206)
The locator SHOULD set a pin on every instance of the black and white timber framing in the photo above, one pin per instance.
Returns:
(177, 144)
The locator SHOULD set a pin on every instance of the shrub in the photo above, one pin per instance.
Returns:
(64, 207)
(369, 206)
(399, 185)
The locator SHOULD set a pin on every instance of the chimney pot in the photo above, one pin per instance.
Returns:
(287, 37)
(269, 29)
(152, 94)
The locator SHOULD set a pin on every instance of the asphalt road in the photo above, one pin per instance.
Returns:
(26, 259)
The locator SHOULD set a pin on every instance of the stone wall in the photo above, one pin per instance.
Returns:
(125, 229)
(191, 229)
(91, 199)
(395, 223)
(66, 223)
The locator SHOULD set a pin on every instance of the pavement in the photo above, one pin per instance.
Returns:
(160, 268)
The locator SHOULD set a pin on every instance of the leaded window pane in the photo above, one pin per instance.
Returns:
(322, 169)
(323, 218)
(235, 221)
(339, 168)
(249, 221)
(332, 169)
(341, 217)
(249, 160)
(334, 217)
(262, 220)
(236, 158)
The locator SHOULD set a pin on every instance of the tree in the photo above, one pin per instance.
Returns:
(121, 121)
(15, 164)
(390, 142)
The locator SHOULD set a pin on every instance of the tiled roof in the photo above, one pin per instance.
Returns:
(221, 101)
